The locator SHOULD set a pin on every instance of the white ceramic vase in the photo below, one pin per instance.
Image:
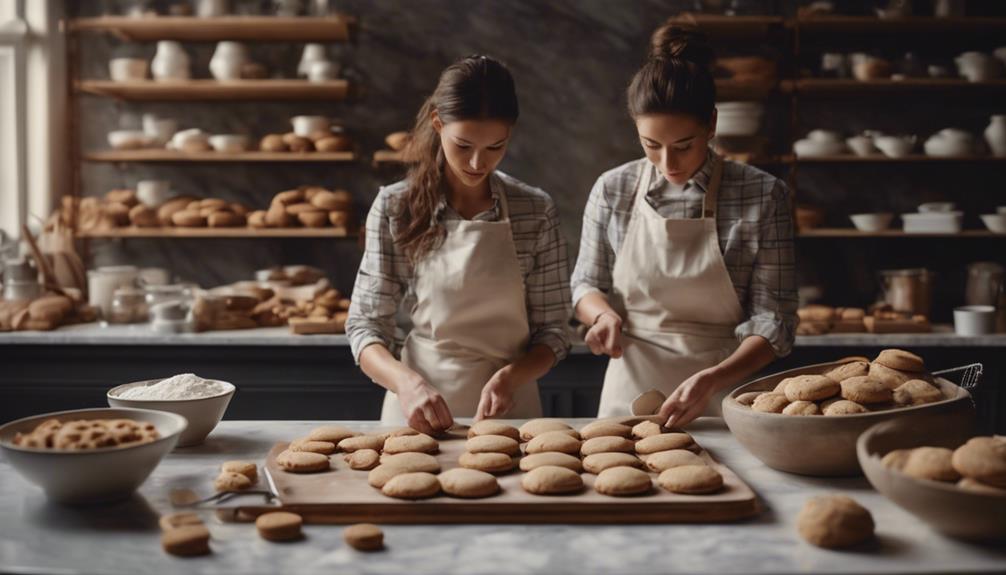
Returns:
(171, 62)
(995, 135)
(312, 53)
(227, 61)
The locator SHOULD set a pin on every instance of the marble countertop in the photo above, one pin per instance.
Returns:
(140, 334)
(37, 536)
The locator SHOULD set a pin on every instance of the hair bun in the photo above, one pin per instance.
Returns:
(677, 42)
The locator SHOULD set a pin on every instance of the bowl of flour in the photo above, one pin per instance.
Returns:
(201, 401)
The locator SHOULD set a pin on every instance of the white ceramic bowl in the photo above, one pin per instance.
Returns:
(153, 192)
(1001, 210)
(95, 475)
(995, 222)
(861, 145)
(126, 69)
(229, 143)
(809, 147)
(128, 139)
(872, 222)
(894, 146)
(974, 320)
(203, 413)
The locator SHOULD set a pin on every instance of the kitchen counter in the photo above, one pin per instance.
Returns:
(36, 536)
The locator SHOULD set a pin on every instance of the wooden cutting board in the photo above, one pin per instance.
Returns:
(342, 495)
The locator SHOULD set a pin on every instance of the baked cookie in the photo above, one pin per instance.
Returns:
(362, 459)
(892, 378)
(604, 428)
(488, 462)
(412, 461)
(302, 461)
(186, 540)
(401, 432)
(864, 390)
(231, 481)
(304, 444)
(493, 444)
(598, 462)
(364, 537)
(176, 520)
(535, 460)
(351, 444)
(645, 429)
(781, 386)
(553, 441)
(664, 460)
(975, 486)
(771, 402)
(982, 459)
(812, 388)
(414, 485)
(916, 392)
(802, 408)
(691, 479)
(536, 427)
(330, 433)
(623, 481)
(551, 480)
(468, 483)
(933, 463)
(896, 459)
(420, 443)
(246, 468)
(851, 369)
(606, 444)
(493, 427)
(842, 407)
(901, 360)
(747, 398)
(834, 522)
(279, 526)
(664, 442)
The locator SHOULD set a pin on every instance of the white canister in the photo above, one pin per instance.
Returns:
(102, 283)
(227, 60)
(312, 53)
(304, 126)
(159, 130)
(170, 62)
(322, 71)
(153, 192)
(995, 135)
(975, 320)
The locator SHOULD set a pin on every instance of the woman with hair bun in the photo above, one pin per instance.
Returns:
(685, 276)
(475, 256)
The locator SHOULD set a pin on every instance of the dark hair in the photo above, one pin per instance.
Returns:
(474, 88)
(677, 76)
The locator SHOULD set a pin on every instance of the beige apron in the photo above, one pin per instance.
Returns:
(470, 318)
(673, 291)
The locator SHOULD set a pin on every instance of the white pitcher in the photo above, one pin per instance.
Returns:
(171, 62)
(227, 60)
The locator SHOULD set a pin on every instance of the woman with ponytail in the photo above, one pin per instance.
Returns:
(475, 256)
(685, 275)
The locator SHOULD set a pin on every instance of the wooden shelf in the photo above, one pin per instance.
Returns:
(131, 232)
(732, 26)
(193, 29)
(826, 86)
(387, 157)
(251, 156)
(148, 90)
(727, 90)
(893, 233)
(910, 25)
(881, 159)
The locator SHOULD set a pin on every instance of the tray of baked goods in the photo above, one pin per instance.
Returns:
(625, 470)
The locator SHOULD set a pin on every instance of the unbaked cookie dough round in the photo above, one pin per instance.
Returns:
(412, 461)
(493, 444)
(331, 433)
(664, 442)
(302, 461)
(553, 441)
(691, 480)
(664, 460)
(834, 522)
(607, 444)
(604, 429)
(600, 461)
(362, 459)
(551, 480)
(645, 429)
(351, 444)
(414, 485)
(535, 460)
(493, 427)
(488, 462)
(468, 483)
(536, 427)
(420, 443)
(623, 481)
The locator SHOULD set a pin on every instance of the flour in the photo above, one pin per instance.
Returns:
(182, 386)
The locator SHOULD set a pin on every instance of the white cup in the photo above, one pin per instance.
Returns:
(322, 71)
(975, 320)
(102, 283)
(304, 126)
(126, 69)
(160, 130)
(153, 192)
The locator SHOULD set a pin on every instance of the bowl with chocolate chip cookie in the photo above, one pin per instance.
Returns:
(807, 420)
(90, 455)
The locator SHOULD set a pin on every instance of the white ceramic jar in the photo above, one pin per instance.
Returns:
(171, 62)
(995, 135)
(312, 53)
(227, 60)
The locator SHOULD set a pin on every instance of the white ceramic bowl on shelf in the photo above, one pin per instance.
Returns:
(202, 413)
(808, 147)
(876, 222)
(126, 69)
(128, 139)
(229, 143)
(995, 222)
(974, 320)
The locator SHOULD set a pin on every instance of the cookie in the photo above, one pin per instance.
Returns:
(901, 360)
(664, 442)
(747, 398)
(535, 460)
(493, 427)
(420, 443)
(976, 486)
(551, 480)
(488, 462)
(865, 391)
(834, 522)
(303, 444)
(664, 460)
(604, 429)
(401, 432)
(891, 378)
(330, 433)
(933, 463)
(606, 444)
(231, 481)
(279, 526)
(781, 386)
(493, 444)
(645, 429)
(896, 459)
(364, 537)
(916, 392)
(412, 461)
(536, 427)
(851, 369)
(553, 441)
(600, 461)
(982, 459)
(176, 520)
(362, 459)
(842, 407)
(812, 388)
(302, 461)
(413, 485)
(623, 481)
(468, 483)
(382, 474)
(351, 444)
(771, 402)
(691, 479)
(187, 540)
(802, 408)
(246, 468)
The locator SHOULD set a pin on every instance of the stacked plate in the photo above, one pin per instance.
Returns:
(738, 118)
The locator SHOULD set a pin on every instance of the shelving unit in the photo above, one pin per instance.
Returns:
(213, 90)
(893, 233)
(851, 87)
(165, 156)
(132, 232)
(248, 28)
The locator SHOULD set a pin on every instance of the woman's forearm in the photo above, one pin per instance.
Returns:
(534, 364)
(592, 305)
(754, 353)
(381, 366)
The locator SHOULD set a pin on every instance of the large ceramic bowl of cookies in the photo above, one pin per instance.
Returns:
(942, 496)
(203, 412)
(825, 445)
(90, 455)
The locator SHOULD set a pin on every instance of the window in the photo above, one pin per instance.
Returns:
(13, 194)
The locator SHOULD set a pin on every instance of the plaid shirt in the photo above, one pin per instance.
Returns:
(755, 228)
(384, 284)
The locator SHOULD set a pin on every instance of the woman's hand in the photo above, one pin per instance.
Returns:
(689, 400)
(424, 408)
(605, 336)
(497, 394)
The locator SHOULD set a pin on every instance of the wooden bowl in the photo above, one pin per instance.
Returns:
(826, 445)
(946, 508)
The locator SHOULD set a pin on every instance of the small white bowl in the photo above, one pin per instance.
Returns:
(995, 222)
(94, 475)
(810, 148)
(895, 146)
(975, 320)
(203, 413)
(153, 192)
(128, 139)
(861, 145)
(126, 69)
(229, 143)
(872, 222)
